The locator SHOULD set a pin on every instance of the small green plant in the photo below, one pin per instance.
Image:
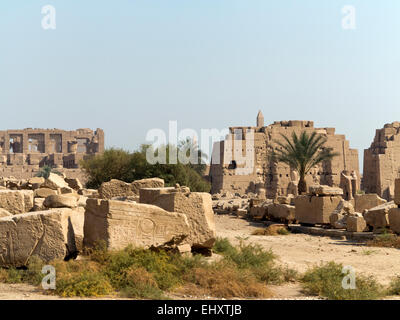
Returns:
(45, 171)
(368, 252)
(283, 231)
(326, 280)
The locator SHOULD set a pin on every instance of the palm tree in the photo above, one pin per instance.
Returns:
(302, 153)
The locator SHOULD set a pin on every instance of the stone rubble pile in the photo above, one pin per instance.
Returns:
(56, 218)
(323, 205)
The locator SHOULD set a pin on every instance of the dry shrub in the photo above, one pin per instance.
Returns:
(225, 282)
(386, 240)
(272, 230)
(81, 278)
(3, 275)
(141, 284)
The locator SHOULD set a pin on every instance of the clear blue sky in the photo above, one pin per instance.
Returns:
(128, 66)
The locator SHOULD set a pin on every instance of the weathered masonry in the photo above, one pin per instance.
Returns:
(23, 152)
(382, 161)
(241, 164)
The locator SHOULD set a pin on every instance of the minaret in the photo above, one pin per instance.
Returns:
(260, 119)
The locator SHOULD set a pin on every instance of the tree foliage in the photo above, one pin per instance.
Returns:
(126, 166)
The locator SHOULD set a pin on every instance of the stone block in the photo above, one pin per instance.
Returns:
(281, 211)
(367, 201)
(377, 217)
(397, 191)
(51, 234)
(115, 188)
(394, 219)
(150, 195)
(74, 183)
(323, 190)
(146, 183)
(44, 192)
(197, 206)
(54, 181)
(315, 209)
(122, 223)
(61, 201)
(16, 201)
(356, 224)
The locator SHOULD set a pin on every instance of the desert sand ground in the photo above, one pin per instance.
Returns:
(297, 251)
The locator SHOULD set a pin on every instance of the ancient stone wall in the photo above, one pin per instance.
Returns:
(382, 161)
(23, 152)
(232, 173)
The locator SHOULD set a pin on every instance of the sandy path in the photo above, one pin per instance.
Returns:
(300, 251)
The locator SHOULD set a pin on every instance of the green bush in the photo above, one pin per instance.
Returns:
(255, 259)
(126, 166)
(326, 280)
(138, 273)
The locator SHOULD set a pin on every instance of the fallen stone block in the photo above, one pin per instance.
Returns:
(61, 201)
(377, 217)
(74, 183)
(36, 182)
(315, 209)
(44, 192)
(258, 212)
(150, 195)
(281, 211)
(146, 183)
(338, 220)
(367, 201)
(51, 234)
(16, 201)
(115, 188)
(90, 193)
(356, 224)
(55, 182)
(394, 219)
(323, 190)
(122, 223)
(197, 206)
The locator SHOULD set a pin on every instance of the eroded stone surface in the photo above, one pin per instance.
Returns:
(51, 234)
(123, 223)
(367, 201)
(16, 201)
(315, 209)
(197, 206)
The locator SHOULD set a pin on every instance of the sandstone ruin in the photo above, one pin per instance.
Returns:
(382, 161)
(240, 163)
(23, 152)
